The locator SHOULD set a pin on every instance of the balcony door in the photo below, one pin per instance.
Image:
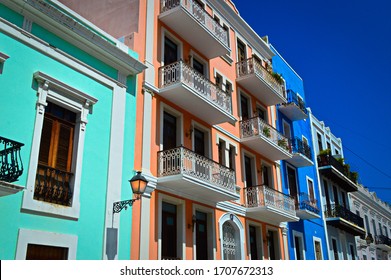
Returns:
(201, 228)
(169, 231)
(199, 142)
(292, 181)
(171, 53)
(272, 245)
(254, 243)
(244, 107)
(252, 198)
(169, 131)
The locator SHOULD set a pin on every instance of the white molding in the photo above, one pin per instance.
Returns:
(51, 89)
(27, 236)
(3, 57)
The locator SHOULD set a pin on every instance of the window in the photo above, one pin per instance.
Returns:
(231, 236)
(319, 138)
(335, 248)
(228, 87)
(292, 182)
(219, 81)
(255, 242)
(169, 131)
(53, 181)
(244, 107)
(232, 154)
(311, 192)
(328, 145)
(199, 66)
(201, 235)
(44, 252)
(171, 51)
(380, 229)
(352, 252)
(272, 245)
(57, 148)
(318, 250)
(201, 141)
(299, 248)
(344, 203)
(241, 51)
(335, 193)
(261, 113)
(367, 227)
(327, 195)
(385, 230)
(169, 231)
(221, 150)
(266, 176)
(374, 227)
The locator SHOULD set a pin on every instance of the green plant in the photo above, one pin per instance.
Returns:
(266, 131)
(283, 143)
(346, 168)
(277, 77)
(354, 176)
(325, 152)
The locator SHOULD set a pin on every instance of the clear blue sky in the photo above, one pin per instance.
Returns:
(342, 50)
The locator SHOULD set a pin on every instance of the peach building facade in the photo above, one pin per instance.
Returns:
(205, 137)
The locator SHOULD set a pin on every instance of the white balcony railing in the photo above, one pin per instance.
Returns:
(251, 66)
(184, 161)
(200, 15)
(258, 127)
(259, 196)
(179, 72)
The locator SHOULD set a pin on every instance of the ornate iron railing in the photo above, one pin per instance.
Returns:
(329, 160)
(251, 66)
(180, 72)
(382, 239)
(258, 127)
(292, 97)
(298, 146)
(184, 161)
(338, 211)
(11, 166)
(200, 15)
(307, 203)
(264, 196)
(53, 185)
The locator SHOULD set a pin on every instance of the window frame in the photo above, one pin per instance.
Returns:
(55, 91)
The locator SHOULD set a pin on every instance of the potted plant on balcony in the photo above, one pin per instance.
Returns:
(266, 131)
(354, 176)
(283, 143)
(277, 77)
(325, 152)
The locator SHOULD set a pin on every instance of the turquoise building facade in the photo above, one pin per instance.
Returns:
(67, 122)
(306, 237)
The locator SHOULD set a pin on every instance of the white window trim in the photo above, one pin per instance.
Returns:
(166, 108)
(224, 80)
(238, 37)
(301, 237)
(308, 187)
(51, 89)
(194, 55)
(259, 232)
(228, 143)
(234, 219)
(264, 163)
(181, 224)
(27, 236)
(3, 57)
(211, 233)
(317, 239)
(166, 33)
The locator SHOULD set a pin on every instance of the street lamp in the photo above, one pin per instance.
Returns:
(138, 184)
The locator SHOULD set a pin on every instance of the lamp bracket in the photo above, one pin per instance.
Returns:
(118, 206)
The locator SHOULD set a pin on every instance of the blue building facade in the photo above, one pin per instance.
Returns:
(306, 237)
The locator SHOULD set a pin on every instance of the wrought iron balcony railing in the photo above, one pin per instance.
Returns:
(338, 211)
(261, 195)
(307, 203)
(251, 66)
(11, 166)
(298, 146)
(292, 97)
(200, 15)
(181, 160)
(329, 160)
(180, 72)
(382, 239)
(53, 185)
(258, 127)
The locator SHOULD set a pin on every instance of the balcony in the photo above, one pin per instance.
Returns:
(196, 26)
(267, 204)
(53, 186)
(183, 171)
(342, 218)
(383, 242)
(184, 86)
(294, 108)
(258, 81)
(307, 207)
(264, 139)
(331, 168)
(11, 166)
(301, 153)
